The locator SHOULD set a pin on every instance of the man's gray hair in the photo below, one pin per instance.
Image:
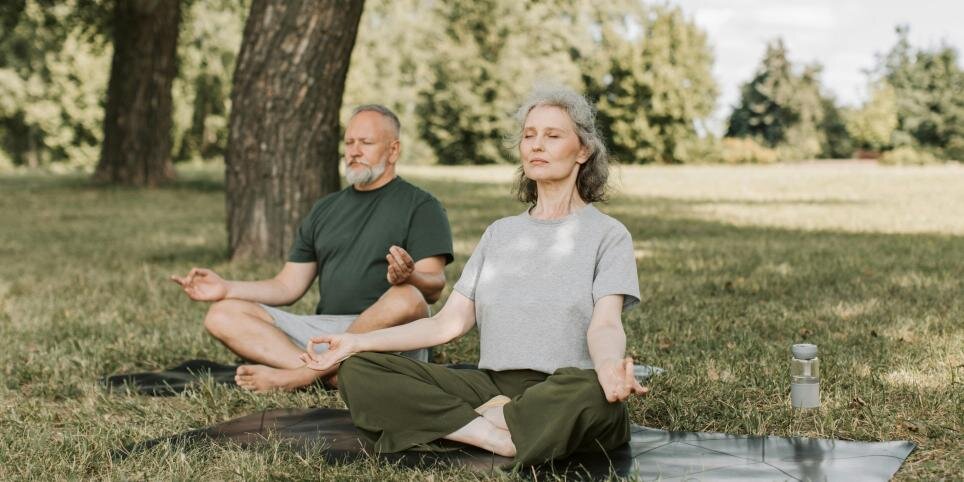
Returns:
(594, 173)
(385, 111)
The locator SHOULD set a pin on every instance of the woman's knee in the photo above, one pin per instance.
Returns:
(593, 402)
(358, 366)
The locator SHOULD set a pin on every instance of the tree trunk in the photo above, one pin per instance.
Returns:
(137, 121)
(284, 132)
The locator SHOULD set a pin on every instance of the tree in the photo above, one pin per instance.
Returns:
(655, 89)
(54, 64)
(872, 126)
(283, 127)
(208, 47)
(137, 121)
(390, 66)
(487, 56)
(929, 91)
(780, 108)
(837, 142)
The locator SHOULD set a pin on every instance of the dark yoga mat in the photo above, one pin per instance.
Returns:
(651, 454)
(173, 380)
(177, 379)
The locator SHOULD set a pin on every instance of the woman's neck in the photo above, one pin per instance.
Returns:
(555, 201)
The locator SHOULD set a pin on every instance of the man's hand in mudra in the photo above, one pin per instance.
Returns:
(400, 265)
(202, 284)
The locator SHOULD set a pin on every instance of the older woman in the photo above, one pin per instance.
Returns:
(546, 288)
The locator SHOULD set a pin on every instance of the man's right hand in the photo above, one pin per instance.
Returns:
(202, 284)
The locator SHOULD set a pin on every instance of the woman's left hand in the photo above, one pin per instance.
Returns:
(617, 380)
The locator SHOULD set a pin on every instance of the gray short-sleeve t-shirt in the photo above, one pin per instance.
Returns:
(535, 283)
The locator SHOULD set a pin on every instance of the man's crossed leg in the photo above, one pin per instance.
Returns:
(273, 341)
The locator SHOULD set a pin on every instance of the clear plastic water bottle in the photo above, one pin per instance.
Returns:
(804, 376)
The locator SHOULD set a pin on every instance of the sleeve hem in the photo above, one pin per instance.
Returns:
(446, 254)
(462, 292)
(629, 300)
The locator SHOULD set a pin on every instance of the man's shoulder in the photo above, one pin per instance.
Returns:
(418, 195)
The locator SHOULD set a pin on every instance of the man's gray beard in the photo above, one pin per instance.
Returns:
(365, 175)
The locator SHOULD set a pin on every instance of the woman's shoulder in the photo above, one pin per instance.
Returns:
(606, 223)
(502, 224)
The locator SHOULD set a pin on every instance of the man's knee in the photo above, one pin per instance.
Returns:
(408, 301)
(224, 315)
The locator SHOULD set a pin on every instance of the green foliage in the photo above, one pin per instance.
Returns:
(654, 89)
(836, 141)
(872, 126)
(787, 111)
(390, 66)
(207, 46)
(54, 67)
(908, 156)
(52, 78)
(929, 92)
(744, 150)
(486, 57)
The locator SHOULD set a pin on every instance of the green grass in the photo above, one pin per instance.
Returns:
(735, 265)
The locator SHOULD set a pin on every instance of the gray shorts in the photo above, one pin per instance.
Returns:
(301, 328)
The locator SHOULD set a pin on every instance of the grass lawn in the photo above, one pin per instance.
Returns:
(735, 265)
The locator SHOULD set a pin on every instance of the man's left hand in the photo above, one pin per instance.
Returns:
(400, 265)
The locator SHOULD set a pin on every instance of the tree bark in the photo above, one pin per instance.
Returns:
(284, 132)
(137, 121)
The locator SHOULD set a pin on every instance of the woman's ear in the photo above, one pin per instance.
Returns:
(583, 155)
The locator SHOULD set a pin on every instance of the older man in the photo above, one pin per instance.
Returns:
(378, 249)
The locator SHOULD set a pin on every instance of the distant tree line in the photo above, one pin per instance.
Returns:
(454, 71)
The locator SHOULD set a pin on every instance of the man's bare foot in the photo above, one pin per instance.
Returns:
(261, 378)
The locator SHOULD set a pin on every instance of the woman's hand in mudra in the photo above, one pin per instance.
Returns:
(617, 380)
(340, 347)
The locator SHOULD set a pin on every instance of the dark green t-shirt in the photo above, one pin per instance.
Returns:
(348, 234)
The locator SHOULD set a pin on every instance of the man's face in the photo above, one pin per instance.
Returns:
(370, 145)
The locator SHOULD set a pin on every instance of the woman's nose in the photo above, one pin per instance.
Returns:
(537, 144)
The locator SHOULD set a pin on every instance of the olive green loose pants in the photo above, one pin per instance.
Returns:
(399, 403)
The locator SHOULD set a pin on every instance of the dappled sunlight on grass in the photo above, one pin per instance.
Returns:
(735, 265)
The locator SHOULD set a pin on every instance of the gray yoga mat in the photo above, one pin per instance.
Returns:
(651, 454)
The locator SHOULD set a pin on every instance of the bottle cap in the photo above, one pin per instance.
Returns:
(804, 351)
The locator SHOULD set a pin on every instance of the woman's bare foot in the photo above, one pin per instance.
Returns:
(261, 378)
(495, 416)
(483, 434)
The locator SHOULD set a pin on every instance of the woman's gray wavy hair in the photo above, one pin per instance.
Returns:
(594, 173)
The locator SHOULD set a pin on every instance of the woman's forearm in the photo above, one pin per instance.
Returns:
(606, 343)
(410, 336)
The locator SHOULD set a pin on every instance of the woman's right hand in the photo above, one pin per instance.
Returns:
(340, 347)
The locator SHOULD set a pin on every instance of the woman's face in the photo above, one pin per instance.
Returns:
(550, 149)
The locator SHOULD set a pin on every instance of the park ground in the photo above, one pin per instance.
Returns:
(735, 265)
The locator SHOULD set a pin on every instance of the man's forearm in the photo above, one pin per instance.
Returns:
(429, 284)
(271, 292)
